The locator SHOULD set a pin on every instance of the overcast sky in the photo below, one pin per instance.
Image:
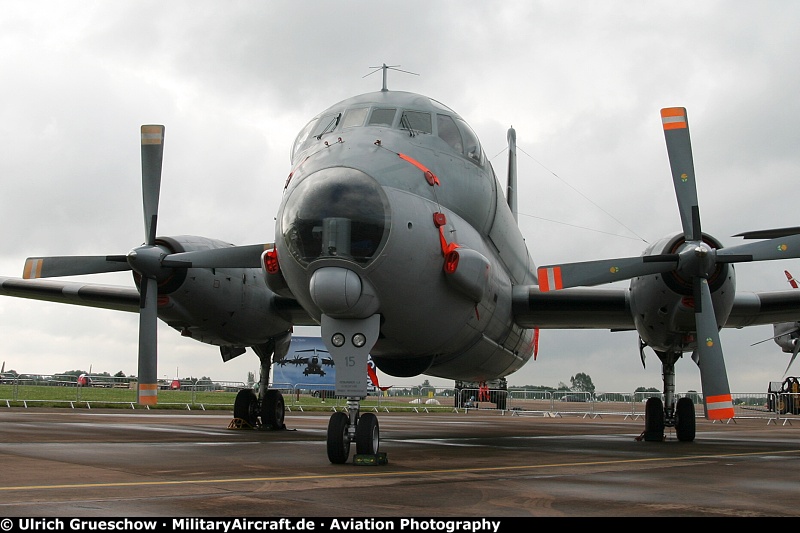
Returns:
(233, 82)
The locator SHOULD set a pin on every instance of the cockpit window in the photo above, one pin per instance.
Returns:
(449, 133)
(382, 117)
(472, 145)
(416, 122)
(302, 137)
(354, 117)
(326, 124)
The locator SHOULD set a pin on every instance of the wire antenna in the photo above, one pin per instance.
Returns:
(385, 68)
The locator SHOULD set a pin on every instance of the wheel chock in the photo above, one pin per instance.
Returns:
(239, 423)
(370, 459)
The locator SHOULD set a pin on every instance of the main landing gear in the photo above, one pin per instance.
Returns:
(265, 410)
(344, 428)
(679, 415)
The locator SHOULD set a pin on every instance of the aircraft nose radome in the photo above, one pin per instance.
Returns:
(335, 213)
(341, 293)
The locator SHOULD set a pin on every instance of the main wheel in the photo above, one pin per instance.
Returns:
(367, 434)
(246, 406)
(685, 424)
(654, 420)
(338, 439)
(273, 410)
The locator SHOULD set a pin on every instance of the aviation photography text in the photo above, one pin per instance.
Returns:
(226, 525)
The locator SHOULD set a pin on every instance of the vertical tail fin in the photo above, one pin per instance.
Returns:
(511, 188)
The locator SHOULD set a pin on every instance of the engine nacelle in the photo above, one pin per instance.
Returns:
(219, 306)
(663, 305)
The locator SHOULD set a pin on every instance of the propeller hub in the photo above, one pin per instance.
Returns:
(698, 260)
(146, 260)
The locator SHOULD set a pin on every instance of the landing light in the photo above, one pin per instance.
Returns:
(337, 340)
(359, 340)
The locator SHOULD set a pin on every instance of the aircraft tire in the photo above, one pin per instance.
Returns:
(273, 410)
(685, 424)
(338, 439)
(654, 420)
(367, 434)
(245, 406)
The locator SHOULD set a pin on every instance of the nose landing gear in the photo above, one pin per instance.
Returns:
(342, 432)
(349, 341)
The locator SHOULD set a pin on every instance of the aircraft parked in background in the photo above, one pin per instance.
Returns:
(787, 334)
(395, 236)
(6, 377)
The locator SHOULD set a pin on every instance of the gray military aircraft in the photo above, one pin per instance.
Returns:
(395, 236)
(786, 334)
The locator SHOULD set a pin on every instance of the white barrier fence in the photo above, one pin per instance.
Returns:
(30, 390)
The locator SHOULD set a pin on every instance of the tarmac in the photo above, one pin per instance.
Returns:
(162, 463)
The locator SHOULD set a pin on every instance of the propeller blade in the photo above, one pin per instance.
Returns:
(642, 344)
(50, 267)
(779, 335)
(588, 273)
(769, 233)
(152, 157)
(713, 376)
(248, 256)
(787, 247)
(794, 356)
(148, 346)
(679, 149)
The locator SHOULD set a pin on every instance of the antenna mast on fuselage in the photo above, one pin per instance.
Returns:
(385, 68)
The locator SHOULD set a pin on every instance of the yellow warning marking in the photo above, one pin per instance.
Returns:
(152, 134)
(33, 268)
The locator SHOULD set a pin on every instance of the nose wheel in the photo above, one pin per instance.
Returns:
(367, 434)
(344, 428)
(338, 438)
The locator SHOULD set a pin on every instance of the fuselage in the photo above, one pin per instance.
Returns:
(383, 187)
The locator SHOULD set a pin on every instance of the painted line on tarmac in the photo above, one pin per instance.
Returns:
(475, 470)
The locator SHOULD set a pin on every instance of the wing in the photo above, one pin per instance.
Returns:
(579, 308)
(762, 308)
(586, 308)
(86, 294)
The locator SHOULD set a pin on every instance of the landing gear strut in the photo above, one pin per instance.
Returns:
(679, 415)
